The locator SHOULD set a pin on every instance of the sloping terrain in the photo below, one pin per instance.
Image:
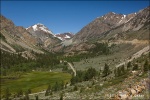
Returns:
(16, 39)
(114, 25)
(44, 36)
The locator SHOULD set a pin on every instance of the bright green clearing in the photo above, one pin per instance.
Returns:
(36, 81)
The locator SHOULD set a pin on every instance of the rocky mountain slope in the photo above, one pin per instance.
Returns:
(45, 37)
(113, 23)
(16, 38)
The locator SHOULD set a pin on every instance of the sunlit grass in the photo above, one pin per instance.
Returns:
(36, 81)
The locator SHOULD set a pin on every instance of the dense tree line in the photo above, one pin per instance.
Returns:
(84, 75)
(16, 63)
(101, 49)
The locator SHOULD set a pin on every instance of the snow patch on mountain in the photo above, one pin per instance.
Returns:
(34, 27)
(38, 27)
(67, 37)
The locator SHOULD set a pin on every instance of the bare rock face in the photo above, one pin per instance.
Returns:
(112, 21)
(142, 18)
(45, 37)
(16, 37)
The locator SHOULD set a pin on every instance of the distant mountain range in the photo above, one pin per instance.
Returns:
(65, 36)
(109, 27)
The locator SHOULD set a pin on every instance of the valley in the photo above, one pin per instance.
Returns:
(106, 59)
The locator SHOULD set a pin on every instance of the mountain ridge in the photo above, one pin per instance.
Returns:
(106, 23)
(109, 27)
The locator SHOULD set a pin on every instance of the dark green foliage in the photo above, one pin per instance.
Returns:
(146, 66)
(65, 69)
(61, 96)
(26, 96)
(115, 72)
(129, 65)
(90, 73)
(20, 92)
(135, 67)
(36, 97)
(56, 86)
(62, 85)
(84, 75)
(119, 71)
(13, 59)
(122, 69)
(29, 91)
(106, 70)
(7, 94)
(47, 60)
(73, 80)
(48, 91)
(101, 48)
(17, 63)
(65, 63)
(75, 88)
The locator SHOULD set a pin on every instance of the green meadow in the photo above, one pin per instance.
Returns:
(35, 81)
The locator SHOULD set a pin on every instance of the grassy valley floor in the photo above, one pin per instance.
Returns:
(35, 81)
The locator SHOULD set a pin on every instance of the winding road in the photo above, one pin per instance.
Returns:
(71, 66)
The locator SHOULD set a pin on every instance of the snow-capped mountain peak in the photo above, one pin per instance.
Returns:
(40, 31)
(64, 36)
(34, 27)
(40, 27)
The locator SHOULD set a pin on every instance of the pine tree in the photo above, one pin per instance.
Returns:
(29, 91)
(145, 66)
(129, 65)
(36, 97)
(115, 72)
(26, 95)
(48, 90)
(106, 70)
(135, 67)
(56, 86)
(118, 72)
(20, 92)
(62, 85)
(122, 69)
(75, 88)
(61, 96)
(7, 93)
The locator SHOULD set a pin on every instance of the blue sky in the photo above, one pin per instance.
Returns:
(64, 16)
